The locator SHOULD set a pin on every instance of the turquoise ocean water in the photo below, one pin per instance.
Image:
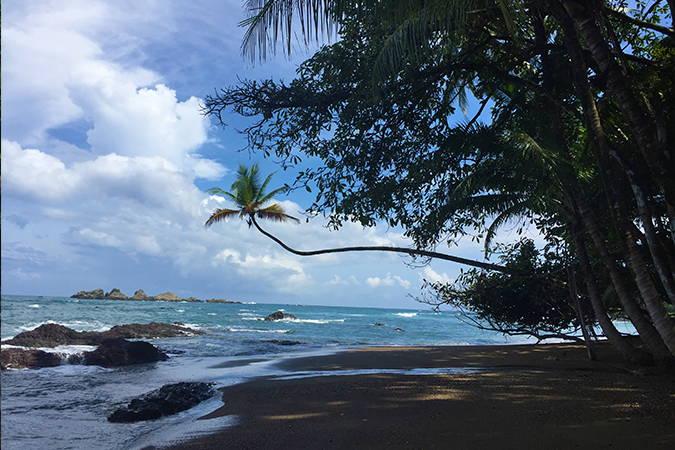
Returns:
(66, 407)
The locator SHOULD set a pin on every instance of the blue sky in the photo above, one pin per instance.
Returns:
(106, 160)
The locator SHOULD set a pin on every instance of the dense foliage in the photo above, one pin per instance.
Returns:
(575, 133)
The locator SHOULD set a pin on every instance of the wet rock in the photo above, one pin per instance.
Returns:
(17, 358)
(169, 399)
(120, 352)
(378, 324)
(52, 335)
(398, 329)
(279, 315)
(48, 335)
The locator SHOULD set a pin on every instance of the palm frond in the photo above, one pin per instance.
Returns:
(276, 213)
(219, 215)
(516, 210)
(271, 20)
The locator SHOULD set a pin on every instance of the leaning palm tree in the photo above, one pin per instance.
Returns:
(249, 194)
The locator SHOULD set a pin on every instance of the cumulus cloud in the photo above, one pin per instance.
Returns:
(104, 153)
(432, 276)
(389, 281)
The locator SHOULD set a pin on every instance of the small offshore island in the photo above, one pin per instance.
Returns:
(140, 295)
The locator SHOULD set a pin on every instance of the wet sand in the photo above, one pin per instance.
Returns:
(515, 397)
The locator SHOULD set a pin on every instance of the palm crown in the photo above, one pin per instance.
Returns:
(249, 194)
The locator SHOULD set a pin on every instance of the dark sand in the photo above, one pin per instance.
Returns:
(532, 397)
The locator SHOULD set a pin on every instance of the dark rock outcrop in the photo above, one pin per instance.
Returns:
(95, 294)
(279, 315)
(378, 324)
(120, 352)
(167, 400)
(220, 300)
(53, 335)
(139, 295)
(167, 297)
(17, 358)
(115, 294)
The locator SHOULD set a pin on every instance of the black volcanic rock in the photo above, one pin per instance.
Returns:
(167, 400)
(279, 315)
(17, 358)
(120, 352)
(53, 335)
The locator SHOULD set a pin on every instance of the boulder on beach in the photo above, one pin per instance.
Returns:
(120, 352)
(95, 294)
(167, 297)
(167, 400)
(280, 315)
(18, 358)
(139, 295)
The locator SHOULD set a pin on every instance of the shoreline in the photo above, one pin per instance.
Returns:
(528, 396)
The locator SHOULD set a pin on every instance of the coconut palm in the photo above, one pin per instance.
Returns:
(249, 194)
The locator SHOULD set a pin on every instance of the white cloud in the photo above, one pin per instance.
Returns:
(432, 276)
(35, 175)
(389, 281)
(103, 151)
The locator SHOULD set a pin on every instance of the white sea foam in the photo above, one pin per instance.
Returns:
(405, 314)
(211, 314)
(34, 306)
(319, 321)
(180, 310)
(250, 330)
(77, 325)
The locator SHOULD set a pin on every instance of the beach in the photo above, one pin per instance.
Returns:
(546, 396)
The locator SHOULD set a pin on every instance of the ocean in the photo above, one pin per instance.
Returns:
(66, 407)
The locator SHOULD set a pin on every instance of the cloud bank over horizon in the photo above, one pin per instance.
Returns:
(106, 158)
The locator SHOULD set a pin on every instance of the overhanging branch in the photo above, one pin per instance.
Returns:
(408, 251)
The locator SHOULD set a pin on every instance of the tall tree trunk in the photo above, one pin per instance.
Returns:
(662, 321)
(648, 333)
(582, 17)
(636, 110)
(613, 335)
(574, 295)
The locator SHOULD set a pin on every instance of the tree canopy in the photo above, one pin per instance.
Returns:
(574, 133)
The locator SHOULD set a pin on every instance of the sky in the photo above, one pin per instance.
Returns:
(106, 160)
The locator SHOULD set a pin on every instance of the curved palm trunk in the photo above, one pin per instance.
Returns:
(408, 251)
(662, 321)
(613, 335)
(574, 295)
(648, 333)
(640, 116)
